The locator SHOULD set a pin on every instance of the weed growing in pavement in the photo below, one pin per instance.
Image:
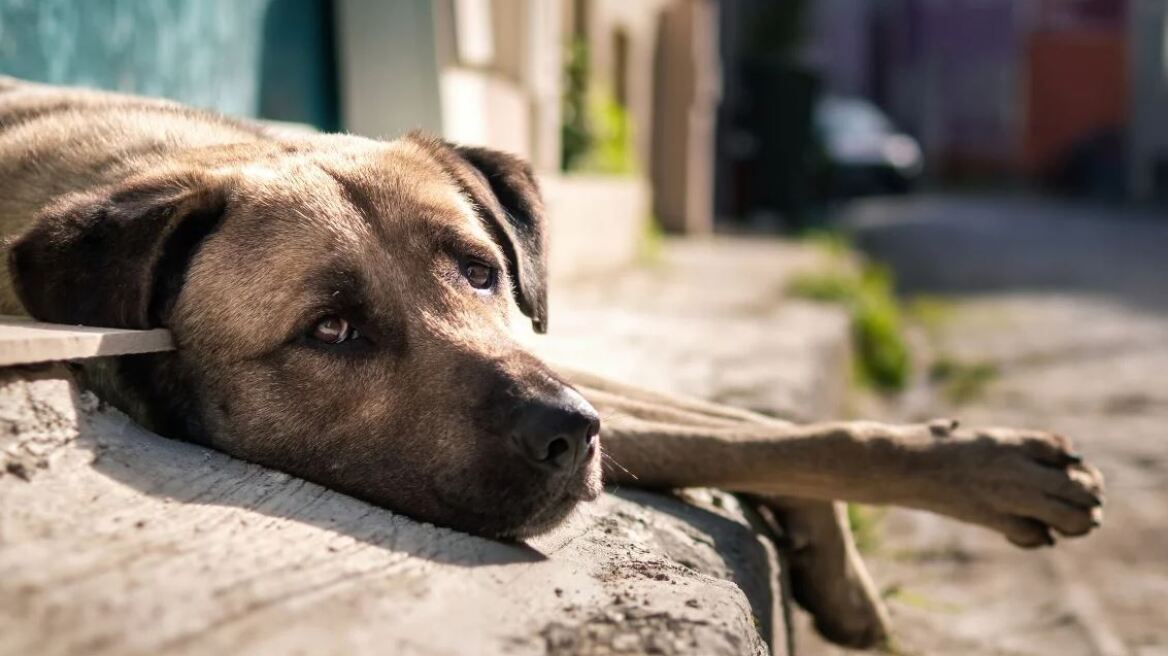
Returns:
(865, 524)
(962, 382)
(651, 245)
(877, 324)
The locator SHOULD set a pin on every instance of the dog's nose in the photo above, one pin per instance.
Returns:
(557, 432)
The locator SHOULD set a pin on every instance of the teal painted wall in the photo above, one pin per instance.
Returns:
(272, 58)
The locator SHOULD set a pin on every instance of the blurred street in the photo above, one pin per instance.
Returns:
(1052, 316)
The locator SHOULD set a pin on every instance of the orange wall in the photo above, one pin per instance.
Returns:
(1077, 85)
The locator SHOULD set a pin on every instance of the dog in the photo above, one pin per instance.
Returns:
(342, 311)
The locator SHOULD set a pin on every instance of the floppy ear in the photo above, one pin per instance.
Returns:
(117, 256)
(519, 227)
(504, 188)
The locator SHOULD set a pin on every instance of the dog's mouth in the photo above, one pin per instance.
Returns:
(585, 486)
(555, 504)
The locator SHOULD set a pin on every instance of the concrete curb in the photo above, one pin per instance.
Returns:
(114, 540)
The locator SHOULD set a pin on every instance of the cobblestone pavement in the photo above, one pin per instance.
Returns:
(1064, 312)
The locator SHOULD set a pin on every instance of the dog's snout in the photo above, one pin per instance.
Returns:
(559, 432)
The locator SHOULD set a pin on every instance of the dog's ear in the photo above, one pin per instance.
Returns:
(115, 257)
(518, 224)
(507, 195)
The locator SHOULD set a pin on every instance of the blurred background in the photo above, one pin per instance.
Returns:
(734, 111)
(980, 187)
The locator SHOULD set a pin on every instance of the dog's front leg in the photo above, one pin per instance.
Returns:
(827, 575)
(1020, 483)
(911, 464)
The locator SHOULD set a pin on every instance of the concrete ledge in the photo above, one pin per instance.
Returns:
(116, 541)
(596, 223)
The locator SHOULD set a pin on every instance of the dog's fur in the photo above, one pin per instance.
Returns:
(140, 213)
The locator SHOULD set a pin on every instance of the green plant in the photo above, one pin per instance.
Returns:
(834, 244)
(877, 326)
(650, 248)
(575, 135)
(961, 381)
(596, 133)
(865, 524)
(930, 312)
(611, 151)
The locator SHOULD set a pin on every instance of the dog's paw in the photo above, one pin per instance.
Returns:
(836, 589)
(1028, 485)
(827, 576)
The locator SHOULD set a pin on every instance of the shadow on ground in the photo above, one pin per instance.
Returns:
(973, 245)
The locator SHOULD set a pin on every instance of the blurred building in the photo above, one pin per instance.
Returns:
(486, 72)
(205, 53)
(1066, 93)
(1148, 130)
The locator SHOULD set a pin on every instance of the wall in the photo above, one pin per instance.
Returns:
(687, 86)
(1076, 88)
(1148, 135)
(388, 67)
(595, 224)
(205, 53)
(952, 78)
(636, 22)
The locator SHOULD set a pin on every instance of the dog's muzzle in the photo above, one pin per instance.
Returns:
(556, 433)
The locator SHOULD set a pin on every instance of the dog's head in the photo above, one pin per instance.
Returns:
(340, 308)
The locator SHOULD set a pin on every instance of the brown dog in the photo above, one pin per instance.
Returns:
(340, 307)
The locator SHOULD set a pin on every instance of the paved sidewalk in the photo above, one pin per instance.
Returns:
(1069, 305)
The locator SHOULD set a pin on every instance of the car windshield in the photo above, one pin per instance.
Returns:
(850, 116)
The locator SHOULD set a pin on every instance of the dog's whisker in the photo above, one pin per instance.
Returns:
(613, 414)
(610, 460)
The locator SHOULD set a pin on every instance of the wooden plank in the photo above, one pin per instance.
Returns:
(25, 341)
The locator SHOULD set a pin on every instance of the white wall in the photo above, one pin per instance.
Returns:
(388, 67)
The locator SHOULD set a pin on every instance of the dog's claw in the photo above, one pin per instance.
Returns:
(943, 427)
(1027, 485)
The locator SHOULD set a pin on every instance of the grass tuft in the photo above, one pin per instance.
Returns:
(865, 524)
(877, 325)
(960, 381)
(651, 245)
(933, 313)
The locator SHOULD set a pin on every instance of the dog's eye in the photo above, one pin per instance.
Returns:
(334, 330)
(479, 275)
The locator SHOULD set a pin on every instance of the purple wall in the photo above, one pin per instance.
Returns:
(951, 72)
(952, 76)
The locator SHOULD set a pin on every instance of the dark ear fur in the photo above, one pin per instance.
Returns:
(504, 188)
(115, 257)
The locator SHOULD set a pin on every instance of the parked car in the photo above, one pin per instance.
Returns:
(862, 152)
